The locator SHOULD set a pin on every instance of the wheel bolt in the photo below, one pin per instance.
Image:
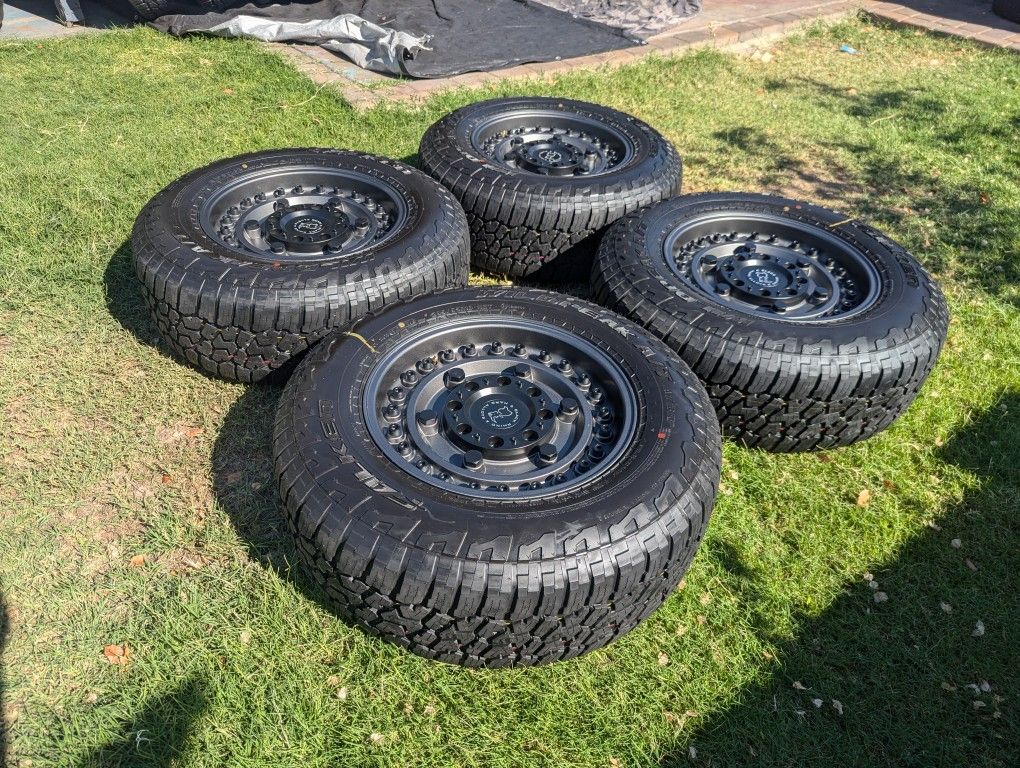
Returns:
(595, 395)
(409, 378)
(520, 350)
(496, 348)
(548, 453)
(397, 395)
(277, 248)
(279, 192)
(335, 202)
(426, 366)
(584, 381)
(565, 366)
(544, 356)
(281, 205)
(722, 289)
(473, 459)
(455, 378)
(568, 409)
(470, 350)
(404, 449)
(427, 418)
(361, 226)
(394, 433)
(260, 197)
(251, 225)
(392, 412)
(299, 190)
(447, 355)
(522, 370)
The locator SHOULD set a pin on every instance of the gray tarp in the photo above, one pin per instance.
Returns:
(436, 38)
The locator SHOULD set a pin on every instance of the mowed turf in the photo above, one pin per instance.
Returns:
(857, 607)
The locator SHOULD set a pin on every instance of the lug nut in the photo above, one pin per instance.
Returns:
(394, 433)
(397, 395)
(565, 366)
(361, 226)
(473, 459)
(470, 350)
(569, 409)
(299, 190)
(281, 205)
(277, 248)
(335, 202)
(584, 381)
(251, 225)
(520, 350)
(522, 370)
(548, 453)
(454, 378)
(595, 395)
(496, 348)
(260, 197)
(426, 366)
(404, 449)
(427, 418)
(392, 412)
(447, 355)
(544, 357)
(409, 378)
(722, 289)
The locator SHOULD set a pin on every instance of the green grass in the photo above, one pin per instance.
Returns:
(112, 449)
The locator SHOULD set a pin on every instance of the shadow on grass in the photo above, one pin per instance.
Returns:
(895, 189)
(125, 302)
(157, 736)
(918, 682)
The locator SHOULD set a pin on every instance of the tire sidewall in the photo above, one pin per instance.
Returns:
(175, 218)
(647, 144)
(902, 293)
(331, 429)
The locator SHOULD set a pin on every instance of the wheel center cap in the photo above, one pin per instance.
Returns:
(501, 413)
(764, 277)
(502, 416)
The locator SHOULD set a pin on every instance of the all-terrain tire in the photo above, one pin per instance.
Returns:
(515, 577)
(524, 224)
(240, 314)
(779, 384)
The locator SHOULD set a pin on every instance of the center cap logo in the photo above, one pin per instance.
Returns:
(500, 414)
(308, 226)
(550, 155)
(763, 277)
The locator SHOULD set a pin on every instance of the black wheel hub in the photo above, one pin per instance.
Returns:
(769, 264)
(330, 213)
(311, 227)
(503, 416)
(552, 143)
(500, 416)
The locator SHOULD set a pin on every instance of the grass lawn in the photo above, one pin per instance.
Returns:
(139, 512)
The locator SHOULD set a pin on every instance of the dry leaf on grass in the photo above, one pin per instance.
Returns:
(864, 498)
(956, 543)
(979, 629)
(799, 686)
(117, 654)
(192, 432)
(377, 738)
(880, 597)
(663, 659)
(137, 561)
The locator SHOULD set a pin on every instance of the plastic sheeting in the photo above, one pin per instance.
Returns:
(437, 38)
(639, 19)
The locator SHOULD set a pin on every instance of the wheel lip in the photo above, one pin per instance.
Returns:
(381, 369)
(856, 257)
(485, 125)
(213, 201)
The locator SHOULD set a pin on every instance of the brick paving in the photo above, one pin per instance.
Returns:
(969, 19)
